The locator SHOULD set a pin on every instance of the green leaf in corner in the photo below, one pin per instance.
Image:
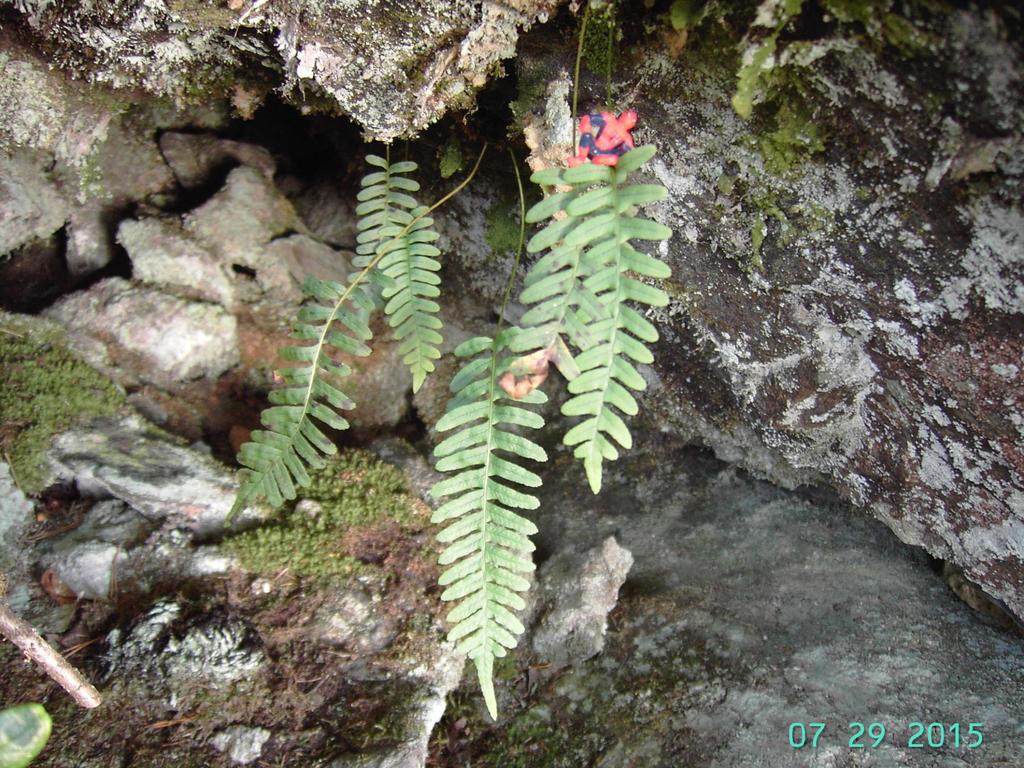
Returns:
(24, 731)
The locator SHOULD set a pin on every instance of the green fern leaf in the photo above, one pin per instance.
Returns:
(582, 288)
(274, 462)
(487, 542)
(407, 270)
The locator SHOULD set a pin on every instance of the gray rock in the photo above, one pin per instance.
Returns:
(87, 557)
(138, 334)
(44, 112)
(15, 517)
(240, 220)
(111, 521)
(215, 650)
(394, 72)
(164, 254)
(193, 157)
(31, 208)
(87, 568)
(177, 652)
(89, 246)
(126, 459)
(137, 648)
(753, 609)
(872, 351)
(328, 210)
(242, 744)
(305, 257)
(419, 716)
(353, 619)
(577, 591)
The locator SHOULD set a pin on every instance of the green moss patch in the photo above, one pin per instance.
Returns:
(503, 227)
(356, 492)
(46, 390)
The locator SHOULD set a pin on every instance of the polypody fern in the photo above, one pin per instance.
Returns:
(395, 254)
(487, 541)
(582, 289)
(275, 460)
(395, 229)
(581, 295)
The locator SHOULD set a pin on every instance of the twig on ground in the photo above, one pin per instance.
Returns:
(23, 635)
(161, 724)
(10, 468)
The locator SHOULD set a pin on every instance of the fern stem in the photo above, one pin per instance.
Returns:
(609, 60)
(519, 247)
(576, 73)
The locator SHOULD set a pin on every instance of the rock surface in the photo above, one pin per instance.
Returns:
(31, 208)
(129, 460)
(748, 609)
(15, 516)
(194, 158)
(164, 647)
(836, 317)
(392, 67)
(138, 334)
(242, 744)
(577, 591)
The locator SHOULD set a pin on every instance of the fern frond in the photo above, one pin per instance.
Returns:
(582, 288)
(275, 460)
(407, 270)
(487, 542)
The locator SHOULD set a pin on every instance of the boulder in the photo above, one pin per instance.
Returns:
(846, 316)
(31, 207)
(750, 609)
(126, 459)
(139, 334)
(392, 70)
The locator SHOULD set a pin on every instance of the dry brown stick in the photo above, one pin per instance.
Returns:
(10, 467)
(22, 634)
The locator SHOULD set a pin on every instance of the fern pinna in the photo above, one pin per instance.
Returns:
(487, 544)
(394, 253)
(275, 460)
(395, 228)
(581, 289)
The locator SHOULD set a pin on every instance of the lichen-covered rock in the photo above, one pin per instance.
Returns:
(31, 207)
(848, 316)
(176, 652)
(126, 459)
(394, 66)
(139, 334)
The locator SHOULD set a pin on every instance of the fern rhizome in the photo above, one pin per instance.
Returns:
(584, 294)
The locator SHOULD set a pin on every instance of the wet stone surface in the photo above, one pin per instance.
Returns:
(749, 608)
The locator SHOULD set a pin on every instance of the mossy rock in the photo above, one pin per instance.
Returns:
(24, 731)
(47, 390)
(354, 491)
